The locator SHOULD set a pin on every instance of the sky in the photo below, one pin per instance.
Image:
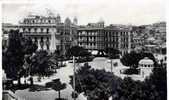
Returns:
(135, 12)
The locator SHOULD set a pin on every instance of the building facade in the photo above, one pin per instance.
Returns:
(120, 39)
(98, 37)
(41, 28)
(50, 33)
(91, 36)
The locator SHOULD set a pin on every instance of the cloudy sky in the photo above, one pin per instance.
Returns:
(136, 12)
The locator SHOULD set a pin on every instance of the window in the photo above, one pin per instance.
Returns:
(35, 29)
(32, 30)
(23, 29)
(46, 21)
(41, 29)
(29, 30)
(47, 30)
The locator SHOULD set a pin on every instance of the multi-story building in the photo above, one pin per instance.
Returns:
(138, 41)
(91, 36)
(50, 33)
(41, 28)
(98, 37)
(120, 39)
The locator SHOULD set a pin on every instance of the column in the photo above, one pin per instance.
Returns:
(33, 40)
(52, 42)
(48, 44)
(39, 47)
(45, 44)
(42, 44)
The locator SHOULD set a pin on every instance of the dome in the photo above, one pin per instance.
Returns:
(146, 61)
(67, 21)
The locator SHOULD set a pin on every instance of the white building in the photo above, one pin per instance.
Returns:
(146, 66)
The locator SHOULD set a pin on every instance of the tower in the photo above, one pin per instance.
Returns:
(75, 22)
(58, 18)
(67, 21)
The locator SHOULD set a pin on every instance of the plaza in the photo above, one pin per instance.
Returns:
(75, 51)
(64, 74)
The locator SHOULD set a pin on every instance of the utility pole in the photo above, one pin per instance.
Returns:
(74, 78)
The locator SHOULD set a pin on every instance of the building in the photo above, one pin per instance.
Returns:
(95, 36)
(138, 43)
(146, 66)
(120, 39)
(50, 33)
(40, 30)
(91, 36)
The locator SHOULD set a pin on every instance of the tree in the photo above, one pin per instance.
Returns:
(29, 49)
(16, 57)
(112, 53)
(13, 58)
(29, 46)
(159, 80)
(57, 86)
(99, 85)
(95, 83)
(163, 50)
(40, 64)
(77, 51)
(153, 88)
(132, 59)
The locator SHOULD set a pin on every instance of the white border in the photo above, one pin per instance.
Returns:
(58, 1)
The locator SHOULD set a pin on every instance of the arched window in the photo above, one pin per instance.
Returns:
(42, 30)
(35, 29)
(32, 30)
(36, 41)
(47, 30)
(29, 29)
(38, 30)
